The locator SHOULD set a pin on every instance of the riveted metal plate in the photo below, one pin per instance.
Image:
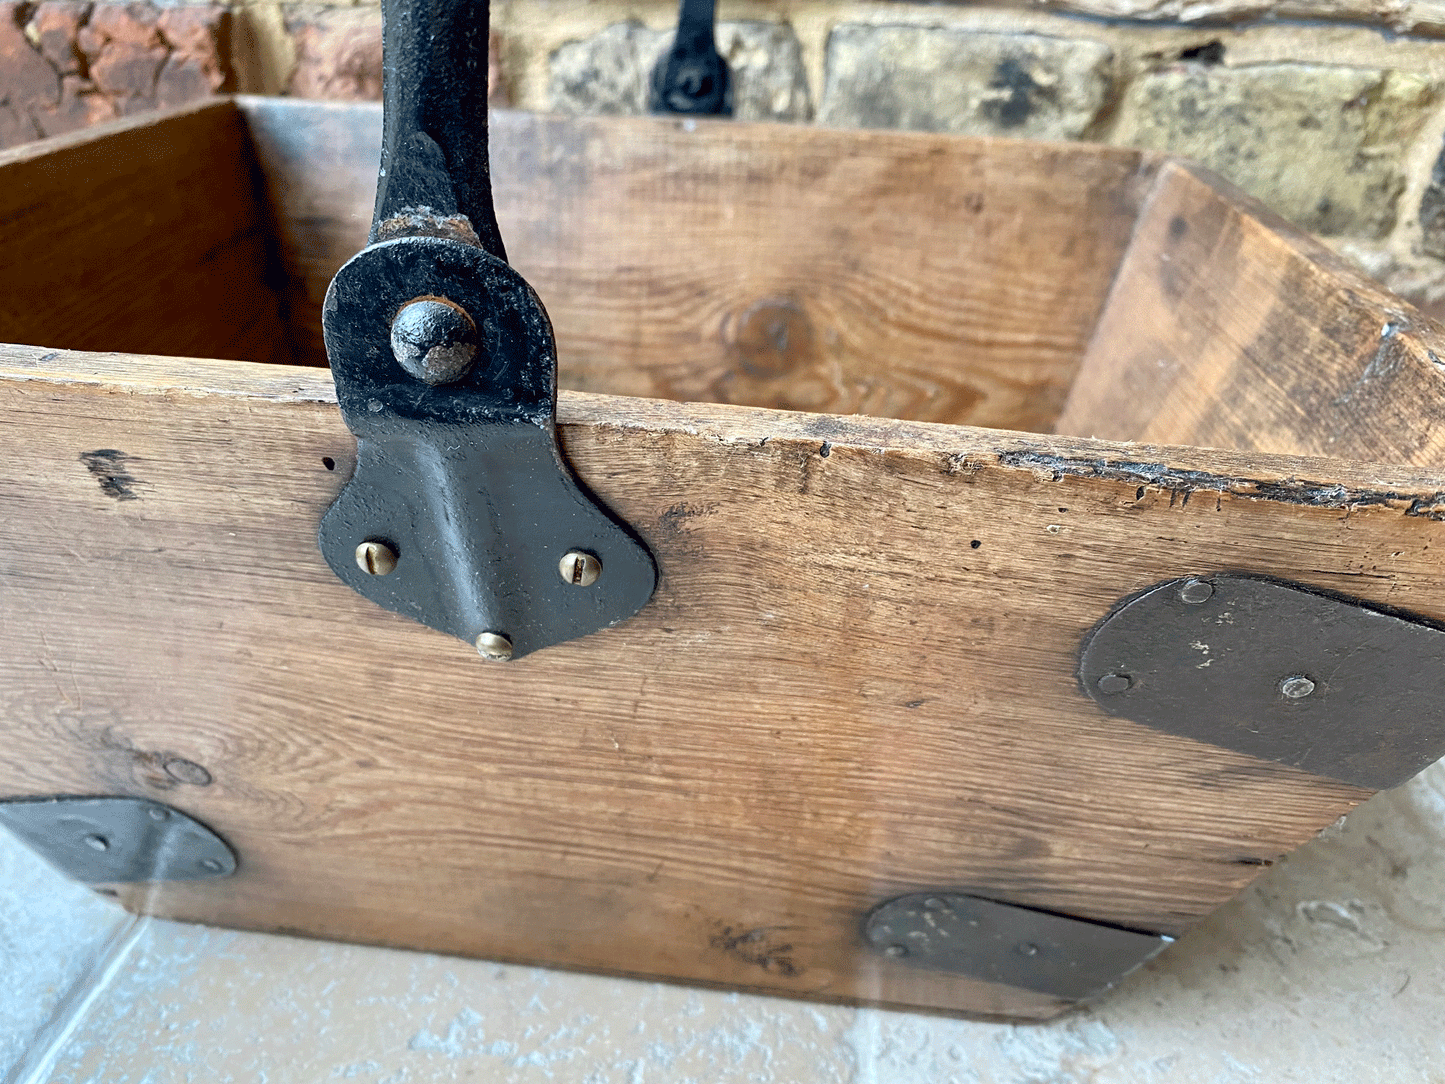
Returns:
(1069, 958)
(118, 840)
(1277, 671)
(465, 482)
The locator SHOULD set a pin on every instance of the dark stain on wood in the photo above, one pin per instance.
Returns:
(111, 469)
(757, 946)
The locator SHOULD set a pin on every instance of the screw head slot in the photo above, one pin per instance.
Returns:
(579, 569)
(376, 558)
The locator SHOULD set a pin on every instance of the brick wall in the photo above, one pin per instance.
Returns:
(1331, 111)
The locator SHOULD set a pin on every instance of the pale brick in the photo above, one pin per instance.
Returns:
(1432, 211)
(608, 73)
(1321, 145)
(942, 79)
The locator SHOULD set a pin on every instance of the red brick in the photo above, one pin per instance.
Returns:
(81, 105)
(338, 55)
(124, 24)
(25, 78)
(196, 67)
(15, 127)
(58, 23)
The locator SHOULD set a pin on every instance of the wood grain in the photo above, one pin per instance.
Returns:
(1227, 327)
(893, 274)
(143, 235)
(834, 698)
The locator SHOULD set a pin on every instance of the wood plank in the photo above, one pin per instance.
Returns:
(834, 698)
(893, 274)
(142, 235)
(1230, 328)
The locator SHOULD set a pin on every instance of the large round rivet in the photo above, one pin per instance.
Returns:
(434, 340)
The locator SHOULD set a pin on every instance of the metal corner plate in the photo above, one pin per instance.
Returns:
(1277, 671)
(1070, 958)
(118, 840)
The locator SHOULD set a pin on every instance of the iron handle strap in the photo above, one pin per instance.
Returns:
(434, 163)
(692, 77)
(462, 513)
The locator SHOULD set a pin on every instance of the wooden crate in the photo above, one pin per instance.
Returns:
(843, 384)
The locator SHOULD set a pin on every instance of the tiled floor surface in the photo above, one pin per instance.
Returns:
(1330, 969)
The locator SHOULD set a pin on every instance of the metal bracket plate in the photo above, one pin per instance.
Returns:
(118, 840)
(464, 483)
(1276, 671)
(1069, 958)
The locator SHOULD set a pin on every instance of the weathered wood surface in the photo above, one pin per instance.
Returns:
(145, 234)
(893, 274)
(836, 696)
(1229, 328)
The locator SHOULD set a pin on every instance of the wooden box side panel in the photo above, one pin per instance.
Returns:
(900, 275)
(143, 235)
(1229, 328)
(834, 698)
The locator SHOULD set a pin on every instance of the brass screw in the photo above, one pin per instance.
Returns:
(494, 647)
(579, 569)
(376, 558)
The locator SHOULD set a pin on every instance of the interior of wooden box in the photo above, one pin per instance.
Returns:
(1087, 290)
(897, 275)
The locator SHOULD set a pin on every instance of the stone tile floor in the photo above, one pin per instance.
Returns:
(1331, 968)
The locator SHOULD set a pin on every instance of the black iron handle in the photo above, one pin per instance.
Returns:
(435, 176)
(462, 513)
(692, 77)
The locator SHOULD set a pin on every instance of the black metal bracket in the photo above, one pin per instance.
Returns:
(692, 77)
(462, 513)
(118, 840)
(1069, 958)
(1278, 671)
